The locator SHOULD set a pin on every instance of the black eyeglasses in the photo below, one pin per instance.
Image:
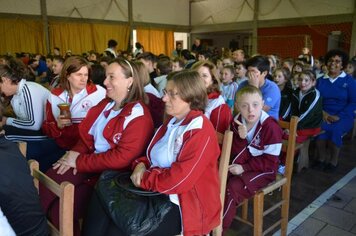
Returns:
(170, 94)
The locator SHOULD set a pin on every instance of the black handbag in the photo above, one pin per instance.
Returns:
(133, 210)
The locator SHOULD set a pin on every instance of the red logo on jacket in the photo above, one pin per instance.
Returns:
(86, 105)
(116, 138)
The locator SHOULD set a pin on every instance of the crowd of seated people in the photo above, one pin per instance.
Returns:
(118, 99)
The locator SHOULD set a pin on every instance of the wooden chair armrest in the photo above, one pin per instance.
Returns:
(65, 192)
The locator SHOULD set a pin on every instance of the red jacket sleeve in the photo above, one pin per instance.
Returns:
(132, 144)
(221, 118)
(199, 151)
(263, 163)
(81, 147)
(139, 160)
(66, 137)
(49, 126)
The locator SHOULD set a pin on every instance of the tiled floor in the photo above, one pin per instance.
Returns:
(332, 213)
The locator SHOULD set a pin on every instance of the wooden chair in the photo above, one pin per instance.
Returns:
(65, 192)
(226, 141)
(282, 181)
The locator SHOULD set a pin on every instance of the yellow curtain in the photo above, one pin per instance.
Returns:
(76, 37)
(156, 41)
(21, 35)
(83, 37)
(103, 33)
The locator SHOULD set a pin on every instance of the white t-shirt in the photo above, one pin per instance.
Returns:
(5, 227)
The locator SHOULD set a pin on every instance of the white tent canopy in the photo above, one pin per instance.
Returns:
(177, 12)
(192, 16)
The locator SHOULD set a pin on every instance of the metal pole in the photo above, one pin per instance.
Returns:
(45, 25)
(353, 34)
(189, 45)
(255, 28)
(129, 3)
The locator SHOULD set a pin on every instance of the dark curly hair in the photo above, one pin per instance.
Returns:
(337, 52)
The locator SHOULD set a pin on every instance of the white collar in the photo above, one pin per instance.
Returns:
(332, 80)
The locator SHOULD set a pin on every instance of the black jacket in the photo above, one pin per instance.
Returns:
(309, 109)
(19, 198)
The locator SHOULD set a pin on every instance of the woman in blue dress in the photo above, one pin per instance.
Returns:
(337, 90)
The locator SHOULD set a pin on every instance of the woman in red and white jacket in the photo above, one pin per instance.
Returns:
(114, 133)
(181, 162)
(216, 110)
(77, 90)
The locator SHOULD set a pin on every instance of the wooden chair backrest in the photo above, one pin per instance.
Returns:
(289, 146)
(282, 182)
(225, 141)
(65, 192)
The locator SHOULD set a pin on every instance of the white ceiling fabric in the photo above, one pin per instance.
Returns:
(176, 12)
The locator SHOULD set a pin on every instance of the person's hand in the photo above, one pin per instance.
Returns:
(236, 169)
(325, 117)
(332, 119)
(242, 129)
(137, 174)
(66, 162)
(61, 122)
(253, 79)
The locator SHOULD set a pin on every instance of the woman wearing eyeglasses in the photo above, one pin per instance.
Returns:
(337, 90)
(114, 133)
(181, 162)
(218, 112)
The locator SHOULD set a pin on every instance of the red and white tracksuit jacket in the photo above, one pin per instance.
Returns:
(193, 176)
(259, 159)
(127, 140)
(218, 112)
(67, 137)
(156, 105)
(128, 135)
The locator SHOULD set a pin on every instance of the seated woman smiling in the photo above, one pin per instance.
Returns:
(114, 133)
(181, 162)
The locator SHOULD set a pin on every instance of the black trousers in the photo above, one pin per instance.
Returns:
(39, 147)
(17, 134)
(98, 223)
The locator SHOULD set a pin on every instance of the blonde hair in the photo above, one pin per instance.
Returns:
(248, 89)
(143, 73)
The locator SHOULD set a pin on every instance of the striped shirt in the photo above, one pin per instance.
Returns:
(28, 104)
